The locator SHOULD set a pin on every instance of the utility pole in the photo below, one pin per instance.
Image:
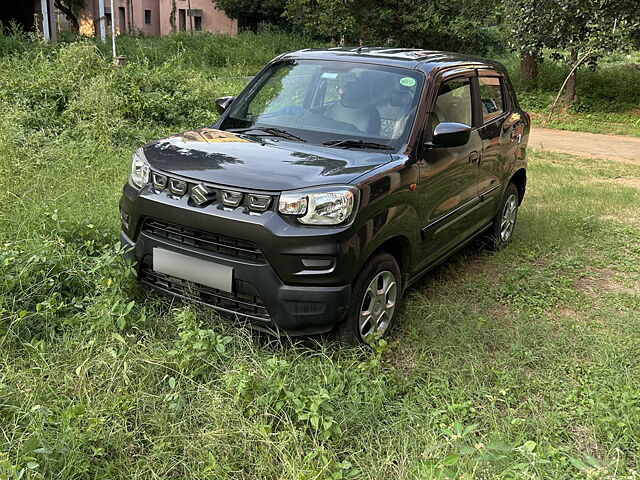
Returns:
(102, 21)
(44, 8)
(113, 30)
(118, 61)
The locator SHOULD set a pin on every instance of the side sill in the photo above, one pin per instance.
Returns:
(415, 277)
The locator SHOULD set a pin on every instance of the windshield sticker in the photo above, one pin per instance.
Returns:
(407, 81)
(330, 75)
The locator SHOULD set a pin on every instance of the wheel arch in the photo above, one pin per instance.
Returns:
(519, 179)
(399, 247)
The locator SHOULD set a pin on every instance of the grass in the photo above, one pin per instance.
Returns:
(518, 364)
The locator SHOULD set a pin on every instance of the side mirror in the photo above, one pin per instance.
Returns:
(450, 134)
(223, 103)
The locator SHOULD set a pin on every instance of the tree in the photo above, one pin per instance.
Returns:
(172, 16)
(457, 25)
(251, 13)
(529, 32)
(71, 10)
(577, 26)
(594, 27)
(341, 21)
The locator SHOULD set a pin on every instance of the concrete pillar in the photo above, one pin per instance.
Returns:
(102, 22)
(44, 9)
(53, 22)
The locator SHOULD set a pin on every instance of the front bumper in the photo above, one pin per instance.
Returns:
(259, 295)
(286, 277)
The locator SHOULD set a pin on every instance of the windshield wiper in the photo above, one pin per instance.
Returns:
(274, 132)
(354, 143)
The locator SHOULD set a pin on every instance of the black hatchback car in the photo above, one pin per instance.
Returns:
(330, 184)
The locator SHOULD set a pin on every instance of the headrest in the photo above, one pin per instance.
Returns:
(400, 98)
(355, 94)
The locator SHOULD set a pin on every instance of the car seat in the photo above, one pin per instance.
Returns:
(355, 106)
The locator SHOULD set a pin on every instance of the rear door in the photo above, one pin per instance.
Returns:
(448, 191)
(499, 134)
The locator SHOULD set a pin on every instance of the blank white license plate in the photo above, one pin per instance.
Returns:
(192, 269)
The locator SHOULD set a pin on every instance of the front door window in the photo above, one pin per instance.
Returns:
(453, 103)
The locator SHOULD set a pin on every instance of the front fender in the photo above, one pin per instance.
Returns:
(388, 210)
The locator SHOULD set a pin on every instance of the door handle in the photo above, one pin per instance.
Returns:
(474, 157)
(515, 134)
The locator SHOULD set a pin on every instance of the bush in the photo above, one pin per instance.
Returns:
(69, 121)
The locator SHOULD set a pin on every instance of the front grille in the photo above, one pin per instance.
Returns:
(240, 303)
(211, 242)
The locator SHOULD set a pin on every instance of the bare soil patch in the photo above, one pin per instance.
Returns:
(585, 441)
(618, 148)
(602, 280)
(628, 182)
(632, 182)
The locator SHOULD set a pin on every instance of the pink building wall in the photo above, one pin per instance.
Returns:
(131, 16)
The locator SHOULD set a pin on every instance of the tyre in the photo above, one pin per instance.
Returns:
(505, 220)
(375, 296)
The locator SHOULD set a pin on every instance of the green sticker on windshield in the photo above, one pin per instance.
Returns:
(407, 81)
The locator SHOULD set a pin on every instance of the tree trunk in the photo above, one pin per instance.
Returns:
(172, 16)
(67, 13)
(528, 66)
(130, 16)
(570, 96)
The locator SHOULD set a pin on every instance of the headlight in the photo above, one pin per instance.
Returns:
(140, 169)
(320, 206)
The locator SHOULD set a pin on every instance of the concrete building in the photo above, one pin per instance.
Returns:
(149, 17)
(30, 15)
(156, 17)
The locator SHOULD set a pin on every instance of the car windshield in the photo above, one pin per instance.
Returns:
(347, 105)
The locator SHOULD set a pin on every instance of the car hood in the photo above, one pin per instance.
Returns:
(226, 158)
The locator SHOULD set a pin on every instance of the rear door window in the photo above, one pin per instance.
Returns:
(491, 98)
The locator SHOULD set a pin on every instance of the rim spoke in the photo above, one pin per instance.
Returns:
(389, 286)
(389, 307)
(382, 322)
(367, 324)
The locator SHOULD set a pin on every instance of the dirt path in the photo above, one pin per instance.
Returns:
(619, 148)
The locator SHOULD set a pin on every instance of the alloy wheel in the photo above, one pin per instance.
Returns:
(508, 220)
(378, 304)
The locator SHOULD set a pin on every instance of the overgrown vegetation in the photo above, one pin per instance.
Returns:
(579, 33)
(521, 364)
(608, 98)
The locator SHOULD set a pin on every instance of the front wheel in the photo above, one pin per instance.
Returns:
(505, 220)
(375, 296)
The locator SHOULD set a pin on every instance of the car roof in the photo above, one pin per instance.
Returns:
(413, 58)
